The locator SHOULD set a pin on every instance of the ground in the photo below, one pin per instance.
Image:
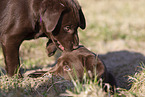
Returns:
(115, 31)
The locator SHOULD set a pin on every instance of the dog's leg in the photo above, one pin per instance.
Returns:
(10, 48)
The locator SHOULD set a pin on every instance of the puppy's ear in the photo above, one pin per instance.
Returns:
(87, 62)
(82, 20)
(82, 59)
(51, 48)
(81, 15)
(92, 64)
(100, 68)
(50, 12)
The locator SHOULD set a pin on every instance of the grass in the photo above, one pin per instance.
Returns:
(88, 88)
(11, 87)
(138, 85)
(112, 25)
(94, 89)
(112, 20)
(117, 17)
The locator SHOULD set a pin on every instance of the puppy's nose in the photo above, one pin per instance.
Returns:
(75, 47)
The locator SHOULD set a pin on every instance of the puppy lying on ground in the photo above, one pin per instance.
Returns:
(78, 60)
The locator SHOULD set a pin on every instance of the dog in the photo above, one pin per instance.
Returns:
(74, 62)
(21, 20)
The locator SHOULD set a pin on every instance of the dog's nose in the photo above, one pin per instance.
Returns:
(75, 47)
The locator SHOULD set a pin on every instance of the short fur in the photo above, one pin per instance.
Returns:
(79, 59)
(28, 19)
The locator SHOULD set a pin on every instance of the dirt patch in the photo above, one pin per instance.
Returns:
(51, 85)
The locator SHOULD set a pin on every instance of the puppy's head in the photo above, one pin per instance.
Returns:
(76, 61)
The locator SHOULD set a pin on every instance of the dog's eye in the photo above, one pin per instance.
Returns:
(65, 63)
(66, 68)
(67, 28)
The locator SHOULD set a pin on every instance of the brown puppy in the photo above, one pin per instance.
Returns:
(28, 19)
(78, 60)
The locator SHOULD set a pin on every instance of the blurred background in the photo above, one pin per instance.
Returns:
(115, 30)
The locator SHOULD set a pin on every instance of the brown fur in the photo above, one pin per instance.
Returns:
(79, 59)
(21, 20)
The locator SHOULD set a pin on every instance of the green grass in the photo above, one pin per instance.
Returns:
(90, 87)
(112, 20)
(11, 87)
(94, 89)
(108, 22)
(138, 85)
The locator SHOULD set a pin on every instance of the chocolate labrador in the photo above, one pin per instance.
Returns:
(74, 62)
(28, 19)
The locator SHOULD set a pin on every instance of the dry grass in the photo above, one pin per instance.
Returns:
(46, 86)
(115, 23)
(112, 25)
(138, 85)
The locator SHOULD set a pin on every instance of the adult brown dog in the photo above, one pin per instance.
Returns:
(27, 19)
(78, 60)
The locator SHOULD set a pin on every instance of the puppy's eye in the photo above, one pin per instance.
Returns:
(67, 28)
(66, 68)
(65, 63)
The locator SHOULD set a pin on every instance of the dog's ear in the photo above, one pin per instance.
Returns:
(100, 68)
(87, 61)
(51, 48)
(94, 65)
(82, 20)
(81, 15)
(82, 59)
(90, 62)
(50, 13)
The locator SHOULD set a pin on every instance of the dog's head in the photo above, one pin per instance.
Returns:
(61, 19)
(74, 62)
